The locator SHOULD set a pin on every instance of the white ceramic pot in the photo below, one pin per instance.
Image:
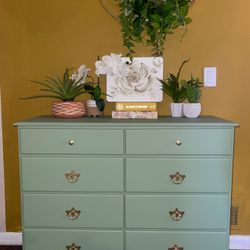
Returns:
(92, 110)
(191, 110)
(91, 103)
(176, 109)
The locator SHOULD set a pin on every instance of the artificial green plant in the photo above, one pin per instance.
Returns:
(94, 90)
(150, 21)
(64, 88)
(193, 90)
(174, 87)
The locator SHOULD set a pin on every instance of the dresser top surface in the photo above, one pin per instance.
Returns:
(108, 121)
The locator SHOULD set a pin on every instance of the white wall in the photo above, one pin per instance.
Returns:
(2, 195)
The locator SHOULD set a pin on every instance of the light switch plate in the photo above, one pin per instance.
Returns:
(210, 75)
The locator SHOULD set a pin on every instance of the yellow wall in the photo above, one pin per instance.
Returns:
(40, 37)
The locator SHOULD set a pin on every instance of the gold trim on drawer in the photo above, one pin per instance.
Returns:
(176, 247)
(71, 142)
(73, 213)
(72, 177)
(178, 143)
(73, 246)
(177, 178)
(176, 215)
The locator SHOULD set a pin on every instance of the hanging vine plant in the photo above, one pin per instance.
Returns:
(150, 21)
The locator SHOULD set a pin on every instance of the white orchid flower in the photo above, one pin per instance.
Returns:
(81, 73)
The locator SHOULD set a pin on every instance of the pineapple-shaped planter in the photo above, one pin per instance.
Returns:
(193, 92)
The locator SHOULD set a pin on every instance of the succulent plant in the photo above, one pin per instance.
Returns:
(193, 90)
(64, 88)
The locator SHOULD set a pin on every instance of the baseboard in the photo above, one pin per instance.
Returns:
(10, 239)
(240, 242)
(236, 241)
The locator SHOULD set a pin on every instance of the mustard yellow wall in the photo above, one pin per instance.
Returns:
(40, 37)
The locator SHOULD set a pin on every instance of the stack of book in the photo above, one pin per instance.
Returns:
(135, 110)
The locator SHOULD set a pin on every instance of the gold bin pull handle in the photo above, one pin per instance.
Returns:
(73, 213)
(177, 178)
(178, 143)
(175, 247)
(71, 142)
(176, 214)
(72, 177)
(73, 246)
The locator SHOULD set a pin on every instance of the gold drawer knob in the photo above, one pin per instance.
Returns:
(72, 177)
(71, 142)
(178, 143)
(73, 246)
(177, 178)
(175, 247)
(73, 213)
(176, 215)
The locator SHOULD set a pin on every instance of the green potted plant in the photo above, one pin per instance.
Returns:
(150, 21)
(65, 89)
(192, 109)
(95, 105)
(175, 88)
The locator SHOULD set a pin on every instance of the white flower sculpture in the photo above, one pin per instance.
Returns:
(131, 80)
(109, 64)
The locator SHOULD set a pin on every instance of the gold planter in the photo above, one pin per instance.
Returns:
(68, 109)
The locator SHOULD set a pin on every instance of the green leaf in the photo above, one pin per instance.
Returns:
(184, 10)
(156, 18)
(100, 103)
(156, 25)
(53, 81)
(43, 84)
(59, 94)
(188, 20)
(40, 96)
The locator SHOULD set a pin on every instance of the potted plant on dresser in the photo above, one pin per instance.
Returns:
(95, 106)
(65, 89)
(192, 109)
(175, 88)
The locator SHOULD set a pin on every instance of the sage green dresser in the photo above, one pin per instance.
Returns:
(103, 184)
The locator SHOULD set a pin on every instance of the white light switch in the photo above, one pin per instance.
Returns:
(210, 76)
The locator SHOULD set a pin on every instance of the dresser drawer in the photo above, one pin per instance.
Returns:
(178, 175)
(72, 174)
(71, 141)
(61, 239)
(73, 210)
(179, 141)
(167, 240)
(166, 211)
